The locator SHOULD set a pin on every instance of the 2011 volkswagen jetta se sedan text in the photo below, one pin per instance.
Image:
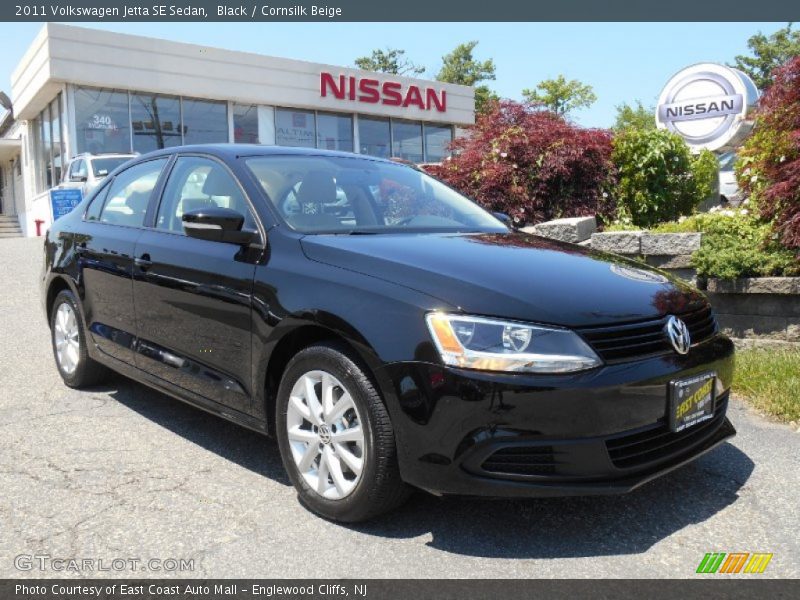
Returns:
(387, 330)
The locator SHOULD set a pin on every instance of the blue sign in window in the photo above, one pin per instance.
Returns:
(63, 201)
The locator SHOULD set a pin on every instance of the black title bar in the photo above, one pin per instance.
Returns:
(404, 10)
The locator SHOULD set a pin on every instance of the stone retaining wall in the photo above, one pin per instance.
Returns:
(669, 251)
(763, 308)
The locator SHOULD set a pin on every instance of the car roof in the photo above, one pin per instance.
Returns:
(232, 151)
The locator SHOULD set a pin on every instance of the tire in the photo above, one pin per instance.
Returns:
(377, 488)
(74, 364)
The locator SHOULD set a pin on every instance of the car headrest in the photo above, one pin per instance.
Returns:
(137, 202)
(219, 183)
(318, 188)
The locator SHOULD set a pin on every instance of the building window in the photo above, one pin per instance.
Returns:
(57, 139)
(295, 128)
(335, 132)
(407, 140)
(156, 122)
(204, 121)
(437, 141)
(245, 124)
(48, 146)
(102, 121)
(374, 136)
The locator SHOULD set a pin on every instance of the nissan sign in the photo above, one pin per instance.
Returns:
(390, 93)
(709, 105)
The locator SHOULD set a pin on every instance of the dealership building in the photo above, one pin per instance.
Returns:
(79, 90)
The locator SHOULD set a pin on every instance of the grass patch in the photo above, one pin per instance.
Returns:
(770, 381)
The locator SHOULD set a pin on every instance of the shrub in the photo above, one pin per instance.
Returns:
(769, 164)
(659, 179)
(736, 243)
(532, 165)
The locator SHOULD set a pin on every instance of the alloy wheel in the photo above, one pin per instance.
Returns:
(325, 435)
(66, 338)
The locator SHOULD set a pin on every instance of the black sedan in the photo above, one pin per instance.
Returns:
(387, 330)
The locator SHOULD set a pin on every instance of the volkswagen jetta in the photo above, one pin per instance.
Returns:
(390, 332)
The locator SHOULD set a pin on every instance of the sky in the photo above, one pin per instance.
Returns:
(623, 62)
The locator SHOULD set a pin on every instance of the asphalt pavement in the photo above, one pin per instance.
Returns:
(123, 472)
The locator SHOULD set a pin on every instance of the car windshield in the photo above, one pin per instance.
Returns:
(331, 194)
(103, 166)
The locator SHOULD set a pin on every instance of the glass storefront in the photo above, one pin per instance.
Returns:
(48, 145)
(374, 136)
(407, 140)
(102, 121)
(410, 140)
(437, 142)
(204, 121)
(245, 124)
(156, 122)
(295, 128)
(113, 121)
(335, 132)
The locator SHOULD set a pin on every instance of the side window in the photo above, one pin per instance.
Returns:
(194, 183)
(78, 169)
(130, 193)
(96, 207)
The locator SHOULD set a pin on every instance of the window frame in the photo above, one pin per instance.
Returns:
(105, 188)
(152, 210)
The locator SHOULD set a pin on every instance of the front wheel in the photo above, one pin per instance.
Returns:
(335, 437)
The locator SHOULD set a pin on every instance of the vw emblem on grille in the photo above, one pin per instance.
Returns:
(678, 334)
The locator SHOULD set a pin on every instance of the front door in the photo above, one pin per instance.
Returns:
(193, 297)
(105, 246)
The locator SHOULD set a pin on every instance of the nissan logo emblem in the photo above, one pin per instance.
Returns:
(678, 334)
(708, 105)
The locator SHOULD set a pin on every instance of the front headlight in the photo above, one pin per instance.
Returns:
(494, 345)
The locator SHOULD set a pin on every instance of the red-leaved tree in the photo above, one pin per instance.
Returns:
(532, 165)
(769, 166)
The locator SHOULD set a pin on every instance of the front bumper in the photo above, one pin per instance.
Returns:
(600, 432)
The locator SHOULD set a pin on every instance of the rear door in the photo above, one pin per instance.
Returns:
(106, 244)
(193, 297)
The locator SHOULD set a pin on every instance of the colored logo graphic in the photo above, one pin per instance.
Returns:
(735, 562)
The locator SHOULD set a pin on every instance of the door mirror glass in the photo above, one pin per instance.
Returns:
(216, 224)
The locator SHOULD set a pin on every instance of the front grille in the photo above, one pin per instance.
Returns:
(522, 460)
(616, 343)
(659, 443)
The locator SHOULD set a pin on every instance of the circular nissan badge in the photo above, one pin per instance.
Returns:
(710, 106)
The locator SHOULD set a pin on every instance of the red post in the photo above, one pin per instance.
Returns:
(39, 223)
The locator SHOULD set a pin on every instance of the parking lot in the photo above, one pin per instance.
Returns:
(124, 472)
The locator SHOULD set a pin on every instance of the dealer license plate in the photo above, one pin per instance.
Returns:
(691, 401)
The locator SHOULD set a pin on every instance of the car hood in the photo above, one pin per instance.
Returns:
(512, 275)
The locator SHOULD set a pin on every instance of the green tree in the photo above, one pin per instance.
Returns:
(460, 66)
(561, 96)
(390, 60)
(634, 117)
(769, 52)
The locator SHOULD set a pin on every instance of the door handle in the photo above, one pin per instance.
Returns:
(143, 262)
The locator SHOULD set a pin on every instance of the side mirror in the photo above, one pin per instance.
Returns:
(78, 178)
(217, 225)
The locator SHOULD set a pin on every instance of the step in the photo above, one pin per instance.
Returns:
(10, 235)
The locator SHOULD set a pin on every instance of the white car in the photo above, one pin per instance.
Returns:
(729, 191)
(86, 171)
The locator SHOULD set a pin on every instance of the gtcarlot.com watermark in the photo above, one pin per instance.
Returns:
(46, 562)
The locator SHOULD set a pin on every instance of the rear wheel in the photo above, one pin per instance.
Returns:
(335, 437)
(68, 336)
